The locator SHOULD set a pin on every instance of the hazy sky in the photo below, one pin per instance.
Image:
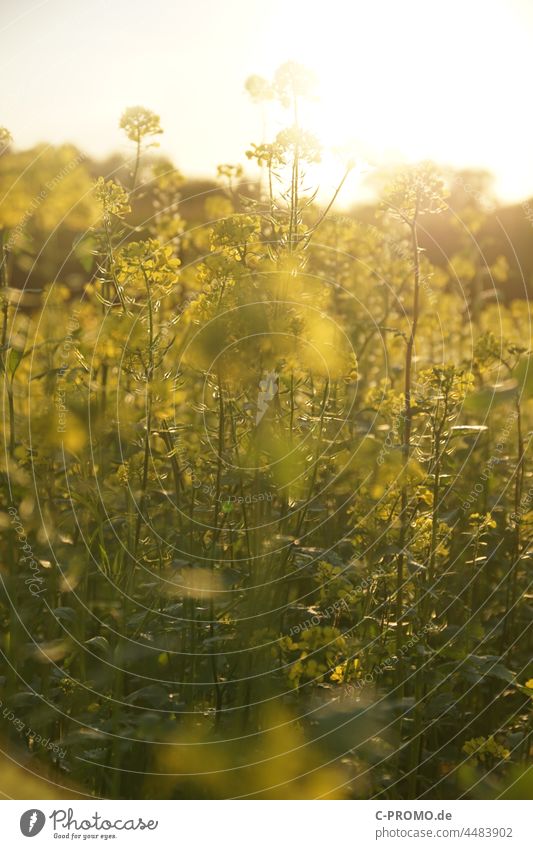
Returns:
(443, 79)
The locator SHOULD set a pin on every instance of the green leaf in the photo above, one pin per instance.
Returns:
(468, 430)
(84, 250)
(14, 358)
(65, 614)
(482, 402)
(524, 376)
(99, 643)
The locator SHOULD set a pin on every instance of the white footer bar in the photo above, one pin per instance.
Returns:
(267, 824)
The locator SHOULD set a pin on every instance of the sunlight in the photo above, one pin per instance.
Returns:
(430, 94)
(266, 396)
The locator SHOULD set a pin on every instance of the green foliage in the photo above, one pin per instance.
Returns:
(266, 501)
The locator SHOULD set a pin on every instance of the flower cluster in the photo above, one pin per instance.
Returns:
(112, 197)
(138, 123)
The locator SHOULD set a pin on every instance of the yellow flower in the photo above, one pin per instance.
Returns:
(112, 198)
(480, 747)
(5, 139)
(138, 122)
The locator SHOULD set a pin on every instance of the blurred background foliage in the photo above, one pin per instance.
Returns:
(266, 490)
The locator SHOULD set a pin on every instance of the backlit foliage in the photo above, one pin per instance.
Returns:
(267, 498)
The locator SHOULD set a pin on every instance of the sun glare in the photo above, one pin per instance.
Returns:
(445, 90)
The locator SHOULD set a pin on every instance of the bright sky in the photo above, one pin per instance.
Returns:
(448, 80)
